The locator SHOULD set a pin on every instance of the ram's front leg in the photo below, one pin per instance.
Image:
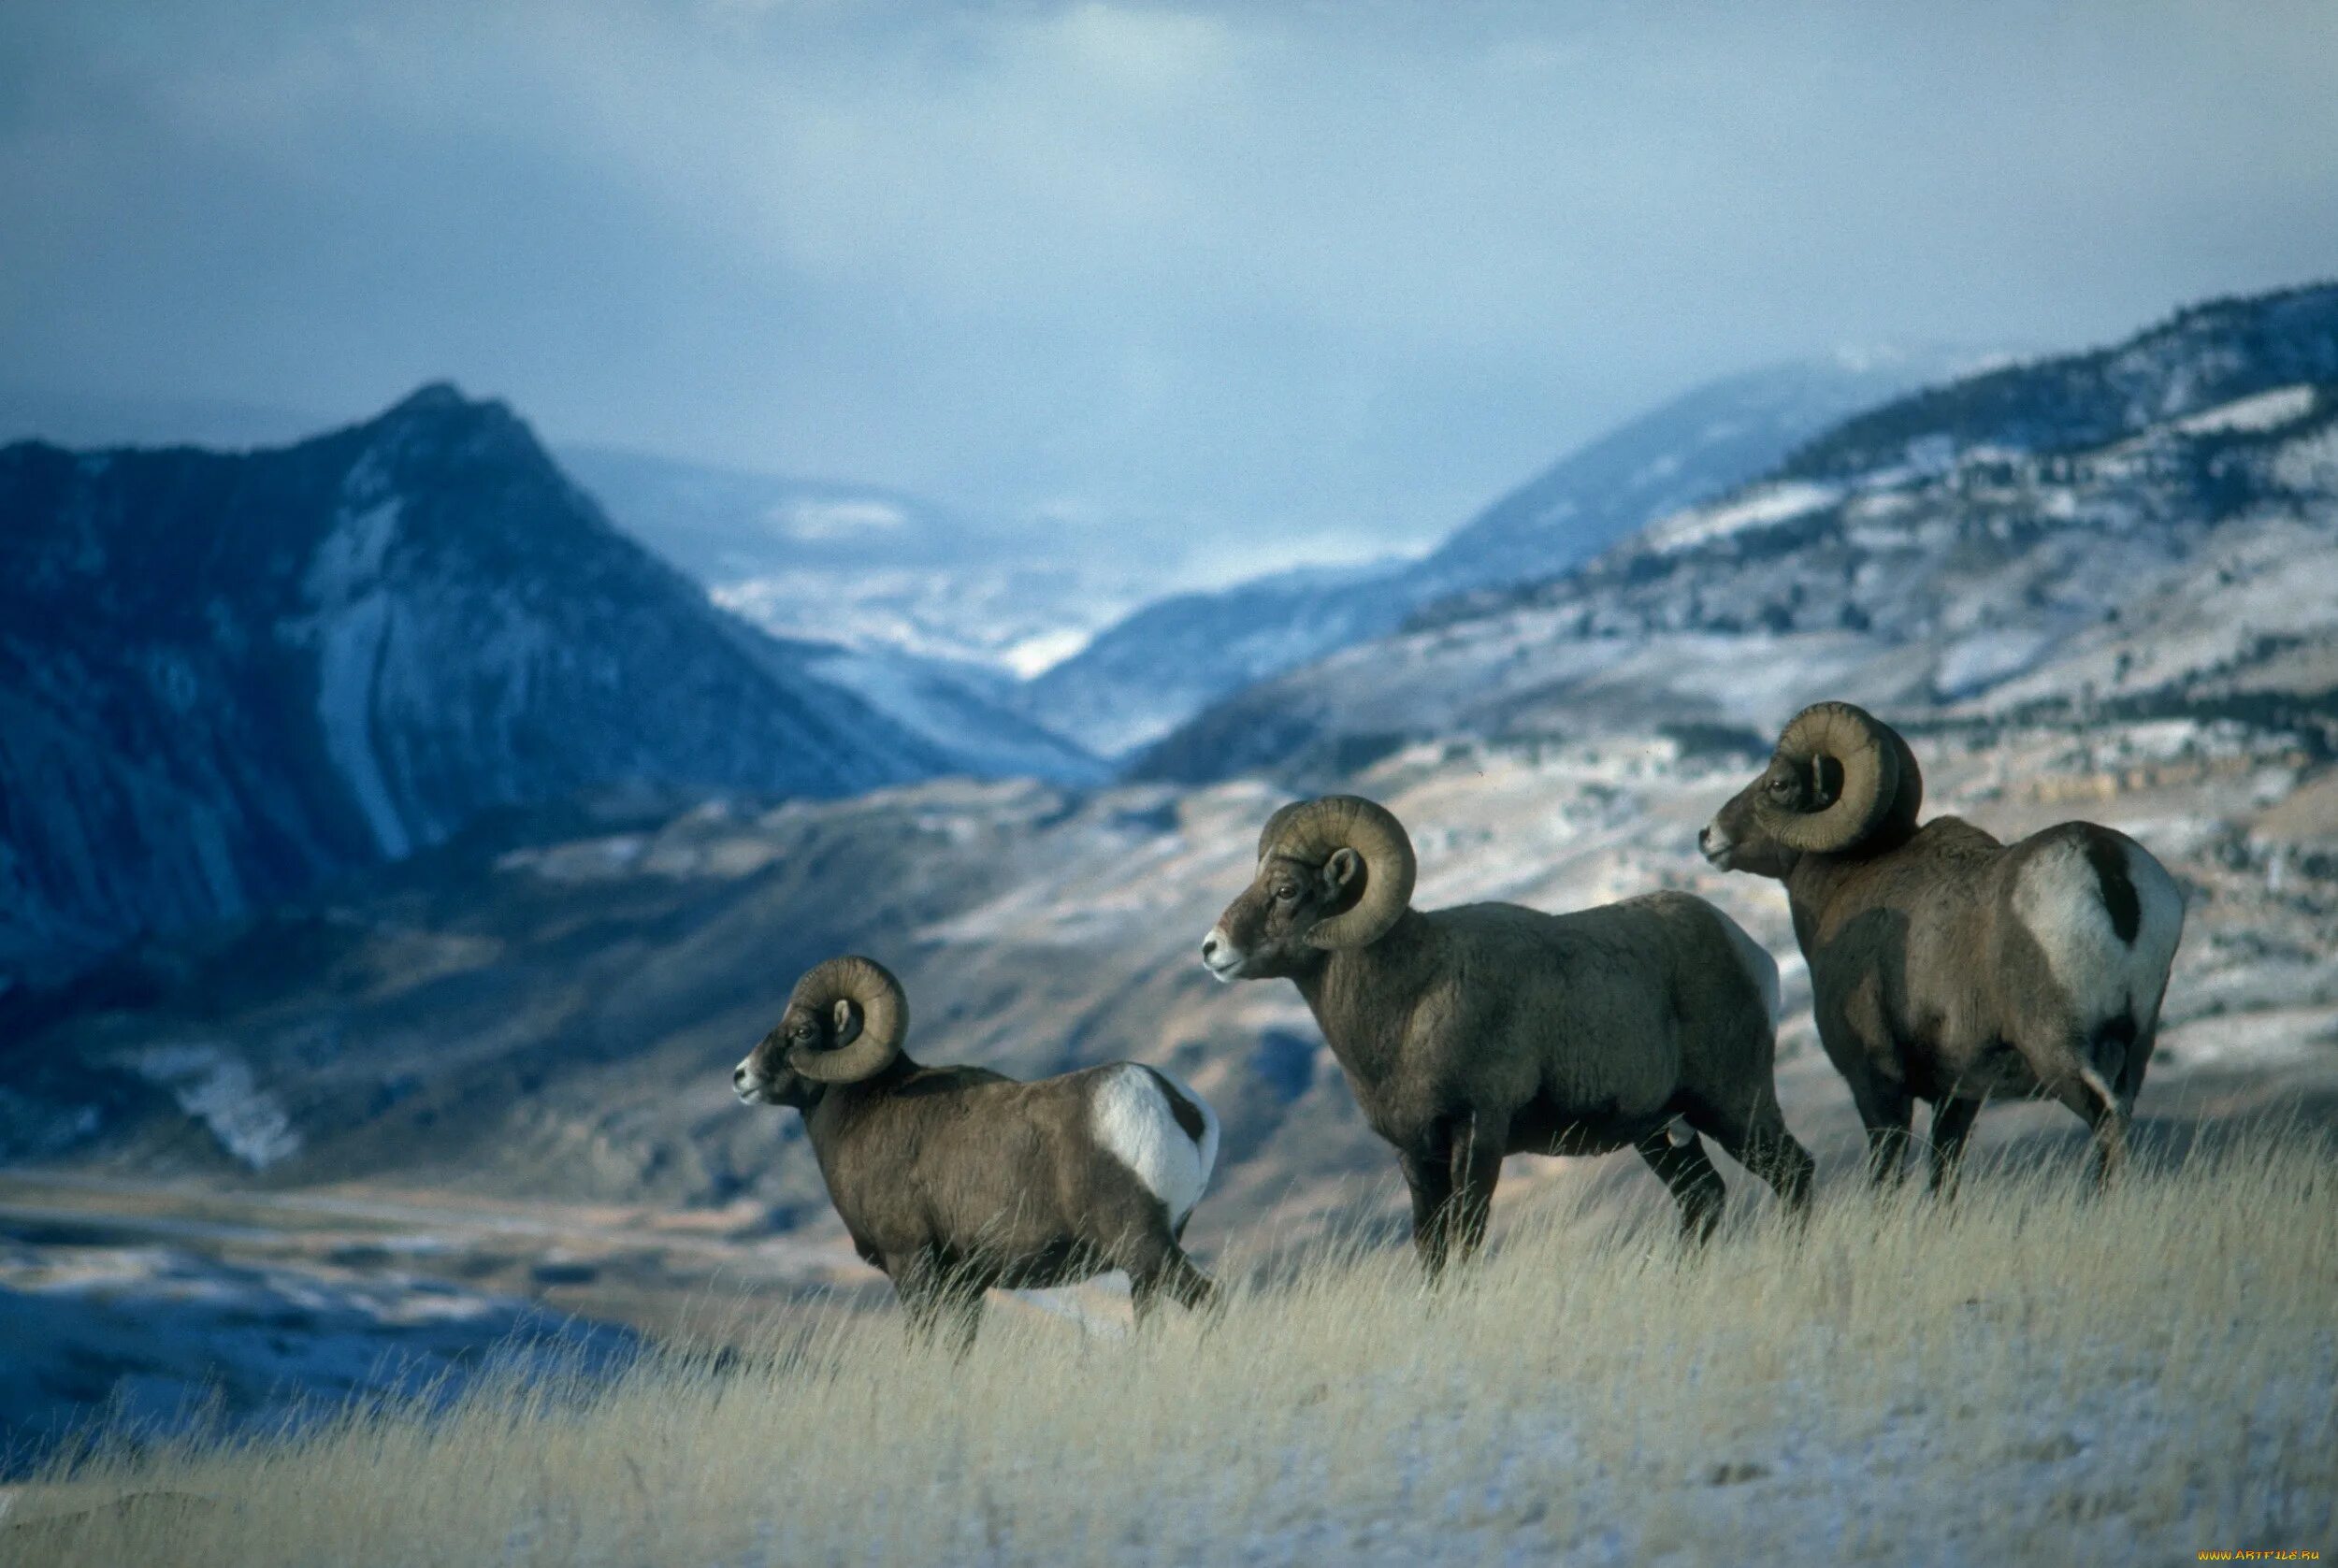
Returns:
(1477, 1144)
(917, 1285)
(1428, 1172)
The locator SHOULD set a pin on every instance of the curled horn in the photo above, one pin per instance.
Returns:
(883, 1019)
(1271, 835)
(1311, 830)
(1880, 783)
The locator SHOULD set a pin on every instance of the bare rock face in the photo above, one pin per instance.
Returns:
(224, 677)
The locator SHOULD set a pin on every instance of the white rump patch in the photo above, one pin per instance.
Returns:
(2059, 899)
(1135, 1123)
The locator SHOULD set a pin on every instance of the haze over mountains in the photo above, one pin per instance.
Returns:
(1113, 661)
(869, 567)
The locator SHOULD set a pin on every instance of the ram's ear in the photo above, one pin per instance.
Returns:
(847, 1022)
(1341, 872)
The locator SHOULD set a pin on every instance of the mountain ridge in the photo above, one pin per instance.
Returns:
(1923, 582)
(1169, 659)
(331, 652)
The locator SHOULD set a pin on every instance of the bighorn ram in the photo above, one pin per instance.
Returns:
(1946, 966)
(954, 1179)
(1487, 1030)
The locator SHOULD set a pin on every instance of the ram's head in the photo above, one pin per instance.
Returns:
(846, 1021)
(1332, 873)
(1842, 781)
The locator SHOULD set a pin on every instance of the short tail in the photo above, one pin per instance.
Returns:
(1162, 1131)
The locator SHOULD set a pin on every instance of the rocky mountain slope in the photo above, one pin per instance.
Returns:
(2152, 529)
(1167, 661)
(223, 677)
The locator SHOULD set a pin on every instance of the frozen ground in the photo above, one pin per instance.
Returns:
(161, 1338)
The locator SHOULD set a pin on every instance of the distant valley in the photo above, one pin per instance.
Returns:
(1143, 677)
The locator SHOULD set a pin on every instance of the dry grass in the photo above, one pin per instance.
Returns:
(2032, 1375)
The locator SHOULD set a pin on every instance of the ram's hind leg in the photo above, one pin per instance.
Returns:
(2064, 1061)
(2098, 1103)
(1886, 1110)
(962, 1319)
(1758, 1138)
(1175, 1273)
(917, 1283)
(1156, 1263)
(1697, 1186)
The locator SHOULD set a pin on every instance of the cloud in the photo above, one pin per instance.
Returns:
(1340, 270)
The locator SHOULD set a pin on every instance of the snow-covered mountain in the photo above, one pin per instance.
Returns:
(1167, 661)
(223, 677)
(927, 615)
(872, 568)
(2153, 525)
(1708, 439)
(970, 712)
(1174, 656)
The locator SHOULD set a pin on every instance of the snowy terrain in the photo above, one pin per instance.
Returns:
(1145, 675)
(160, 1336)
(2177, 567)
(872, 568)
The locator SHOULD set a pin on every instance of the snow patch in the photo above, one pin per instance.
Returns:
(1035, 655)
(346, 666)
(349, 561)
(1987, 657)
(846, 519)
(352, 624)
(980, 737)
(1764, 508)
(2265, 410)
(220, 1091)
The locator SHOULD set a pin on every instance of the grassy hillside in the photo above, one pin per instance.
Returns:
(2032, 1375)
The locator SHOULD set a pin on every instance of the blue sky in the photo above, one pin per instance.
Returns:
(1338, 271)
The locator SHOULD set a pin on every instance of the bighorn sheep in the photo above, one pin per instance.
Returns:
(1946, 966)
(954, 1179)
(1488, 1030)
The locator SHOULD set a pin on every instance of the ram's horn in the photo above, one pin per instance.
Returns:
(883, 1019)
(1311, 830)
(1879, 783)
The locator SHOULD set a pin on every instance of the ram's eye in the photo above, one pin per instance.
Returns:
(1780, 787)
(801, 1031)
(1287, 891)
